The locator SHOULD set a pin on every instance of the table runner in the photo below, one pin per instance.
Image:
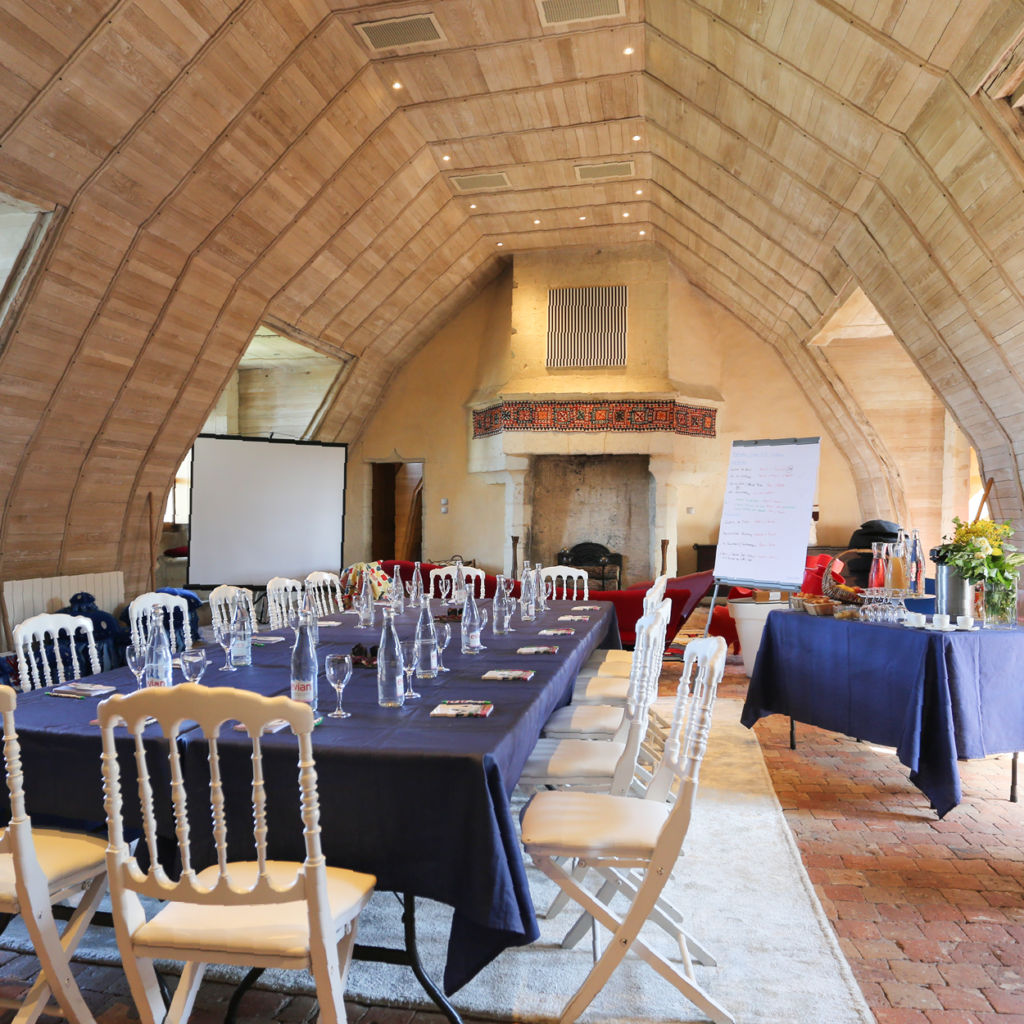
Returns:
(422, 803)
(933, 696)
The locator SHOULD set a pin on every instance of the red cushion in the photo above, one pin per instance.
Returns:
(722, 625)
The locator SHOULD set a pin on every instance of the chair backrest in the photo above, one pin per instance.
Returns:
(643, 689)
(326, 590)
(282, 594)
(210, 709)
(34, 664)
(656, 593)
(222, 600)
(579, 578)
(474, 578)
(141, 609)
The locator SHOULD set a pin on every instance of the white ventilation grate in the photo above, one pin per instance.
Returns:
(475, 182)
(618, 169)
(558, 12)
(587, 326)
(392, 33)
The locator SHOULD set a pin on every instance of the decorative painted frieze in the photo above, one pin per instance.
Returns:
(626, 415)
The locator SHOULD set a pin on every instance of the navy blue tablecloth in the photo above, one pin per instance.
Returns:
(420, 802)
(935, 697)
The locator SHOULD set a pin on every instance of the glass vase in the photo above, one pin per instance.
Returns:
(1000, 604)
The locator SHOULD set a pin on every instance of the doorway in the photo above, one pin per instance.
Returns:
(396, 518)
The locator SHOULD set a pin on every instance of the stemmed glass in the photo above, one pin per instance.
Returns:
(222, 631)
(136, 658)
(293, 619)
(409, 664)
(339, 672)
(193, 664)
(445, 631)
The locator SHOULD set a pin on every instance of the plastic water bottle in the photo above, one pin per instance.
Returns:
(390, 665)
(304, 663)
(397, 594)
(426, 643)
(241, 635)
(158, 651)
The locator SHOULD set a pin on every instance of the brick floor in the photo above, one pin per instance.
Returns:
(929, 914)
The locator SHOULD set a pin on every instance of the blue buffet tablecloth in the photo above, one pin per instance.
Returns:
(933, 696)
(422, 803)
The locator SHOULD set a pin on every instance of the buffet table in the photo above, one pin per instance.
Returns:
(934, 696)
(421, 802)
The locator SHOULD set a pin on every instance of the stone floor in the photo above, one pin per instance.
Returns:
(929, 913)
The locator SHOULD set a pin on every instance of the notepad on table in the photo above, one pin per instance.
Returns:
(573, 618)
(259, 639)
(586, 607)
(462, 709)
(564, 631)
(80, 689)
(537, 650)
(509, 673)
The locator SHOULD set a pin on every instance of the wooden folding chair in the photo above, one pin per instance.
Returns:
(38, 869)
(634, 845)
(259, 913)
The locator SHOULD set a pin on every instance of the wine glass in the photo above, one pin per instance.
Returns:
(510, 610)
(409, 664)
(193, 664)
(222, 631)
(136, 658)
(444, 630)
(293, 619)
(339, 672)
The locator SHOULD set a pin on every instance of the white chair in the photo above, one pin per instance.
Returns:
(283, 594)
(577, 577)
(474, 579)
(634, 845)
(141, 610)
(617, 662)
(34, 631)
(326, 590)
(260, 913)
(606, 766)
(38, 869)
(222, 605)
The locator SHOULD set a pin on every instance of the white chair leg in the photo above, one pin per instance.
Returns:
(185, 994)
(139, 971)
(562, 899)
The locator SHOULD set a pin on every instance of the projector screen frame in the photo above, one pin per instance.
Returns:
(260, 587)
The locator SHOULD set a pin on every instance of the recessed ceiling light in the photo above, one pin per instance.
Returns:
(583, 218)
(628, 50)
(639, 191)
(446, 158)
(536, 222)
(625, 215)
(472, 206)
(642, 233)
(396, 85)
(501, 243)
(636, 138)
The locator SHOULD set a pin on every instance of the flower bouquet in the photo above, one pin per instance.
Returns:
(980, 552)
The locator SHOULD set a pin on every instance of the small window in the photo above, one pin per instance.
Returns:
(587, 326)
(22, 227)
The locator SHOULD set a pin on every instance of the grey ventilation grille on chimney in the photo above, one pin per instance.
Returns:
(475, 182)
(392, 33)
(558, 12)
(618, 169)
(587, 326)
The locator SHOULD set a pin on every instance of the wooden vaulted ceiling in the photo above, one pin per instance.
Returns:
(217, 162)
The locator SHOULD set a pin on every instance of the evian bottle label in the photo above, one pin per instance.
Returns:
(302, 690)
(474, 638)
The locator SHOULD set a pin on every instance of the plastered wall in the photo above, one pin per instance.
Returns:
(705, 353)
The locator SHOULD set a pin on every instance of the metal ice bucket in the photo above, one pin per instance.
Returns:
(953, 594)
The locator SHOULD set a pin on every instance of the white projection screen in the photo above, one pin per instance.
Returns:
(263, 508)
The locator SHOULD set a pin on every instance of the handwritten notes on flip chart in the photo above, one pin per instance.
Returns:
(769, 498)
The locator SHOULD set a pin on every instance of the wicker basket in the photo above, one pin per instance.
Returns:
(831, 589)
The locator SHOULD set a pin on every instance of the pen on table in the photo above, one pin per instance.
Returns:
(69, 696)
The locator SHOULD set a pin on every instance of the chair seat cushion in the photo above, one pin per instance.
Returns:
(602, 657)
(572, 759)
(63, 856)
(600, 721)
(267, 929)
(601, 690)
(615, 669)
(574, 824)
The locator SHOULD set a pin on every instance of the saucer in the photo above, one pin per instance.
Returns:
(940, 629)
(967, 629)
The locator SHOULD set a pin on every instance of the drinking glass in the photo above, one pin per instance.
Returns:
(409, 665)
(136, 657)
(292, 618)
(510, 610)
(339, 672)
(193, 664)
(222, 631)
(444, 638)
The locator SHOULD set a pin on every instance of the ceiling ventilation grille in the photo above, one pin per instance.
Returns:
(475, 182)
(395, 32)
(558, 12)
(618, 169)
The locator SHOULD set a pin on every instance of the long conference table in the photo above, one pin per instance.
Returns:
(420, 802)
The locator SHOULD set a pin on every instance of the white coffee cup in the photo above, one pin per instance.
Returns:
(916, 619)
(965, 621)
(940, 621)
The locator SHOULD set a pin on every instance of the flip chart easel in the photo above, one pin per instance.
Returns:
(766, 515)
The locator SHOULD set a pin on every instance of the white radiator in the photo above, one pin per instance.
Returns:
(25, 598)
